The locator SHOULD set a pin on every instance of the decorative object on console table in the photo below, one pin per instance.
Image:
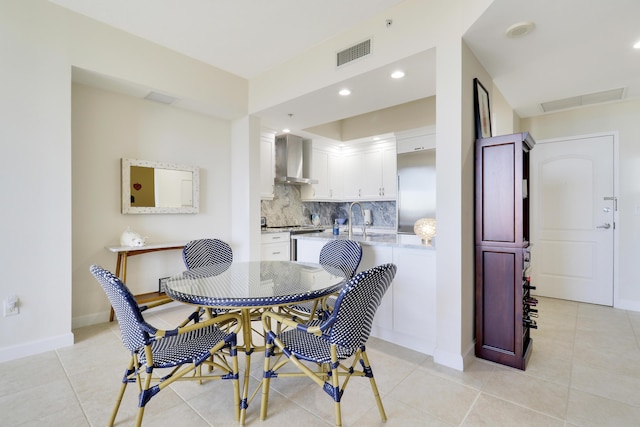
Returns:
(482, 110)
(132, 238)
(503, 302)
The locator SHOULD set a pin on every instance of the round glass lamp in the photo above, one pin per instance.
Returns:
(426, 229)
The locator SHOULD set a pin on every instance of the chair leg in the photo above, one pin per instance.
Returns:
(266, 379)
(114, 413)
(144, 397)
(125, 381)
(233, 352)
(367, 369)
(335, 382)
(139, 417)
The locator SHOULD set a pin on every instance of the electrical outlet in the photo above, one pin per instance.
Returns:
(11, 307)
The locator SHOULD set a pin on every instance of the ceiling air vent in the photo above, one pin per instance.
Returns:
(161, 98)
(354, 52)
(579, 101)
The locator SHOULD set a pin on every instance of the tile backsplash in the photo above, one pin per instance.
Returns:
(287, 208)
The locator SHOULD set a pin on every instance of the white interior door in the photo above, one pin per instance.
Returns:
(572, 219)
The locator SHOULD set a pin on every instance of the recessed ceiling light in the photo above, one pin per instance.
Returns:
(520, 29)
(345, 92)
(285, 130)
(637, 45)
(397, 74)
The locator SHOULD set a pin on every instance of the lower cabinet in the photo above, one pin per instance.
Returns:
(275, 247)
(309, 250)
(414, 299)
(407, 314)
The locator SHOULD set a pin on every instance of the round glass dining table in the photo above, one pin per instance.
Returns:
(254, 284)
(252, 287)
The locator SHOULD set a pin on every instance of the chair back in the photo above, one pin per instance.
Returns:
(345, 255)
(356, 305)
(204, 252)
(135, 331)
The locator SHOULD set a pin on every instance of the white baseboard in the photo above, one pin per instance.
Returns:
(451, 360)
(470, 355)
(625, 304)
(418, 344)
(456, 361)
(89, 319)
(35, 347)
(102, 317)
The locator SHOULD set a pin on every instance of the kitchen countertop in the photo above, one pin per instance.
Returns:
(305, 228)
(373, 238)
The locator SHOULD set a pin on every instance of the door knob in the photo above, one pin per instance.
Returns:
(605, 226)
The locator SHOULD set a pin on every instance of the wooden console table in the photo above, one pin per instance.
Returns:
(121, 265)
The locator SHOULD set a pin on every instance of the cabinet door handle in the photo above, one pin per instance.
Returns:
(606, 226)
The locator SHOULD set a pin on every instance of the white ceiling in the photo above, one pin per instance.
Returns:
(577, 47)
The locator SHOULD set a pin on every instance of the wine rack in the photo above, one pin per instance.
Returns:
(506, 311)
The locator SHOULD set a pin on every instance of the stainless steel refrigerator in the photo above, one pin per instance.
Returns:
(416, 188)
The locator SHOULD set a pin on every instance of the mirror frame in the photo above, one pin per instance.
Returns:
(126, 188)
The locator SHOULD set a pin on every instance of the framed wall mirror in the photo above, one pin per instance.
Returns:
(156, 187)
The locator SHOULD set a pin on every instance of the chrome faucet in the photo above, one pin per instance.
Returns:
(364, 227)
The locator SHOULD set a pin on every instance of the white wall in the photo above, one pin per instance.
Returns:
(39, 44)
(621, 117)
(107, 126)
(35, 175)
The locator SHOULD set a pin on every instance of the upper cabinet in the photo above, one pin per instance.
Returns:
(326, 168)
(267, 165)
(416, 139)
(370, 172)
(357, 171)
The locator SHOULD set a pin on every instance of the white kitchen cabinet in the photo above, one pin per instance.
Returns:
(325, 168)
(275, 247)
(334, 176)
(389, 172)
(309, 250)
(416, 140)
(318, 171)
(373, 256)
(407, 314)
(370, 173)
(351, 174)
(267, 165)
(414, 303)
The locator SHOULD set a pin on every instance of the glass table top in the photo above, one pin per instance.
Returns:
(254, 284)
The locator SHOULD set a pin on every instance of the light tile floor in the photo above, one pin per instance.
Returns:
(584, 371)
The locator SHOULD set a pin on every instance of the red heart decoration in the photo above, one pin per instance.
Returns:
(137, 186)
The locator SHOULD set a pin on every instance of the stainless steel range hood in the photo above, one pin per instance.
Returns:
(292, 157)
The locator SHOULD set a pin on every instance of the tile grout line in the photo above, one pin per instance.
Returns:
(75, 392)
(466, 415)
(573, 353)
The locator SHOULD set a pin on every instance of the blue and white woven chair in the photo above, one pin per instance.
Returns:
(344, 255)
(182, 350)
(340, 257)
(329, 343)
(206, 252)
(213, 253)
